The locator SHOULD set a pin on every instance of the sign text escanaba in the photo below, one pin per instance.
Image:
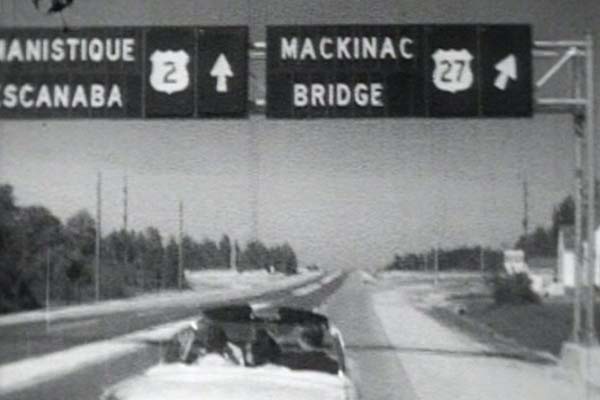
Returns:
(185, 72)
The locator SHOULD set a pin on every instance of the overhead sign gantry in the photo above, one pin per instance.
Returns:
(313, 71)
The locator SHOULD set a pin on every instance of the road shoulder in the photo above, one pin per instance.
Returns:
(443, 363)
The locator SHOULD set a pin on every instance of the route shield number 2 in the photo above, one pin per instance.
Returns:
(169, 71)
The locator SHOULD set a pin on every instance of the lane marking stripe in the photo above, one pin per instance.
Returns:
(261, 306)
(36, 370)
(71, 325)
(303, 291)
(32, 371)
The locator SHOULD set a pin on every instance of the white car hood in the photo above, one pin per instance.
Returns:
(183, 382)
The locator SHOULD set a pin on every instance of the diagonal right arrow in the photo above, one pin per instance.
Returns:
(507, 69)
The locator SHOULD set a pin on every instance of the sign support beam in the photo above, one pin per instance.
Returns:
(579, 127)
(589, 335)
(581, 106)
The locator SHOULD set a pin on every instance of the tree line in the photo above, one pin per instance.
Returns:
(40, 255)
(461, 258)
(542, 242)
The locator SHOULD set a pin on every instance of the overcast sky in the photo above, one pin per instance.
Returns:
(344, 193)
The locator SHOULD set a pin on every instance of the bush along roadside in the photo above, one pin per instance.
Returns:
(513, 289)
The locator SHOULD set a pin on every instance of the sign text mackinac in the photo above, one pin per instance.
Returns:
(398, 71)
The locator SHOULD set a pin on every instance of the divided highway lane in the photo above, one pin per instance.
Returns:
(28, 339)
(373, 364)
(88, 382)
(36, 338)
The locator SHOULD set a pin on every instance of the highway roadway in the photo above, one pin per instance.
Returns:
(374, 366)
(37, 337)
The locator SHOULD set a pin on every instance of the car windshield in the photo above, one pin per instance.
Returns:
(291, 338)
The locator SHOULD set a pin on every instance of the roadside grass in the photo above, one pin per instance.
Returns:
(502, 345)
(466, 304)
(542, 327)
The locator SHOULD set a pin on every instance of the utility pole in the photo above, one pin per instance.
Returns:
(232, 256)
(125, 194)
(48, 273)
(254, 150)
(525, 206)
(482, 259)
(435, 266)
(98, 236)
(180, 258)
(238, 254)
(125, 216)
(47, 277)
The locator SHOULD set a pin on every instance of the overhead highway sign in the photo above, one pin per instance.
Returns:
(399, 71)
(154, 72)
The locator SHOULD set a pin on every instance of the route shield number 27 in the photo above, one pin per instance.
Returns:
(453, 72)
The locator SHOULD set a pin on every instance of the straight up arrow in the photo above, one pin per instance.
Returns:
(221, 70)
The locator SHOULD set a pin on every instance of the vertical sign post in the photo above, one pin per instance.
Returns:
(590, 335)
(578, 123)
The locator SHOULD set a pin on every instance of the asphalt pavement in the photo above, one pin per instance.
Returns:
(88, 382)
(34, 338)
(373, 364)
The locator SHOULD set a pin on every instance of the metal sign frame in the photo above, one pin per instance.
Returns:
(578, 56)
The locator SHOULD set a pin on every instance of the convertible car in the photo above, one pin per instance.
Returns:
(237, 352)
